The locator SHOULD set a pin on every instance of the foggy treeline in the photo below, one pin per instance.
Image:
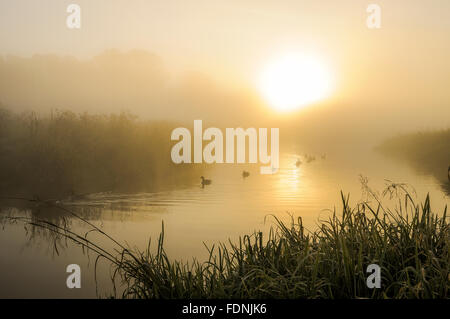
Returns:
(141, 83)
(65, 154)
(111, 82)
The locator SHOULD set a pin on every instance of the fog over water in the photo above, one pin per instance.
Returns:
(230, 207)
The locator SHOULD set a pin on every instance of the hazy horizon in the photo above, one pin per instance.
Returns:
(180, 61)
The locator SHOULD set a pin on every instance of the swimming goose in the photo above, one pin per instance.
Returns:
(310, 158)
(245, 174)
(205, 181)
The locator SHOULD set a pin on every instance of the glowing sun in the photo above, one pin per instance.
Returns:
(293, 81)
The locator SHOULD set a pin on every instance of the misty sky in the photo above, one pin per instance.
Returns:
(198, 51)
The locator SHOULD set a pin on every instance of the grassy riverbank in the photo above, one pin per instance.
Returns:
(409, 241)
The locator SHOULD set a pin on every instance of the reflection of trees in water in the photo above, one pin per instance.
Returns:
(47, 223)
(57, 214)
(38, 236)
(44, 224)
(446, 188)
(52, 225)
(438, 174)
(427, 152)
(443, 183)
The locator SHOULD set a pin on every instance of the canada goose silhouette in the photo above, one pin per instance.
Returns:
(245, 174)
(310, 158)
(448, 173)
(205, 181)
(298, 163)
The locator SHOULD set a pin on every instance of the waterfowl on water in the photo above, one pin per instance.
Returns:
(310, 158)
(448, 173)
(245, 174)
(205, 181)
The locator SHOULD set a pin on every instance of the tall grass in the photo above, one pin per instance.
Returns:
(66, 153)
(409, 242)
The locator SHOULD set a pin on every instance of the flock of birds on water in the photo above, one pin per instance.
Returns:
(204, 181)
(308, 159)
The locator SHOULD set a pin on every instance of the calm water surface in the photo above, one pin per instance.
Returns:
(231, 206)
